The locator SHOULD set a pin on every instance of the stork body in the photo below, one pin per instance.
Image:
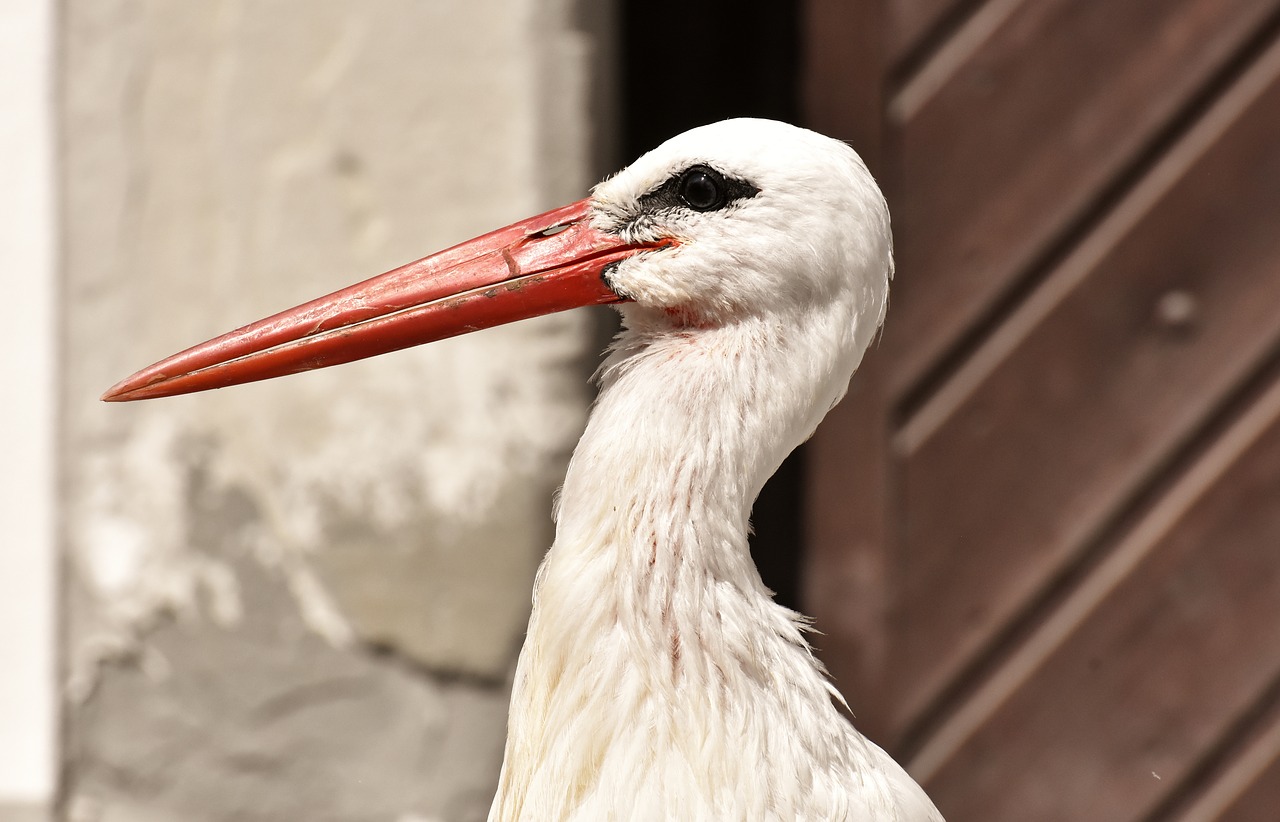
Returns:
(659, 680)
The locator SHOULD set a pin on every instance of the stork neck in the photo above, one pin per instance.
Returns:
(651, 631)
(652, 530)
(688, 427)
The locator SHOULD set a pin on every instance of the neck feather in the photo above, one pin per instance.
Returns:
(653, 639)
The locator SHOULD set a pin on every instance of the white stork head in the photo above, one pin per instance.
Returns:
(777, 269)
(766, 217)
(742, 219)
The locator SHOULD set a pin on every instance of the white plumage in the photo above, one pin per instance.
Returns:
(659, 679)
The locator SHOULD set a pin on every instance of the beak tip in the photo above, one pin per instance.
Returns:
(126, 390)
(115, 393)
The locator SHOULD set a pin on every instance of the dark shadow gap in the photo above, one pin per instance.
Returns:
(687, 64)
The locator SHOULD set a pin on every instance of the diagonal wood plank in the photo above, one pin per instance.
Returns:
(1067, 411)
(912, 21)
(1014, 144)
(1113, 700)
(1248, 790)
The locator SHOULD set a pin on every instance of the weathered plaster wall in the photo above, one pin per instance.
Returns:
(302, 599)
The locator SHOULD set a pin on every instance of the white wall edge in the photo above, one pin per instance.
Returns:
(28, 372)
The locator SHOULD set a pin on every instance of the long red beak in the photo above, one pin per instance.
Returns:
(541, 265)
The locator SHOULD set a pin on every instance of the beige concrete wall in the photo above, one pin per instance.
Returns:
(302, 599)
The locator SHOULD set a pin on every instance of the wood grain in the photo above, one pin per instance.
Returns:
(1132, 345)
(844, 575)
(1020, 138)
(1247, 789)
(1116, 712)
(912, 21)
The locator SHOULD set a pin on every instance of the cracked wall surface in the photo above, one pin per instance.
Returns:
(302, 599)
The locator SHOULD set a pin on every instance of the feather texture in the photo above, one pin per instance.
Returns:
(659, 680)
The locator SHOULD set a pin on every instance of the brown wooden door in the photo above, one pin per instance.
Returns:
(1044, 529)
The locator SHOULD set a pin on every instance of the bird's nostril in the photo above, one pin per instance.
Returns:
(551, 231)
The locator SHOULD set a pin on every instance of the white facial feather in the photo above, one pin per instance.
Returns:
(659, 680)
(817, 231)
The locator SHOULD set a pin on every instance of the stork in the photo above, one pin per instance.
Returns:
(659, 680)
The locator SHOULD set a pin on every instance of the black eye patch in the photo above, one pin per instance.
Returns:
(697, 188)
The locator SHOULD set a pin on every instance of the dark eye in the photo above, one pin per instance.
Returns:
(696, 188)
(702, 189)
